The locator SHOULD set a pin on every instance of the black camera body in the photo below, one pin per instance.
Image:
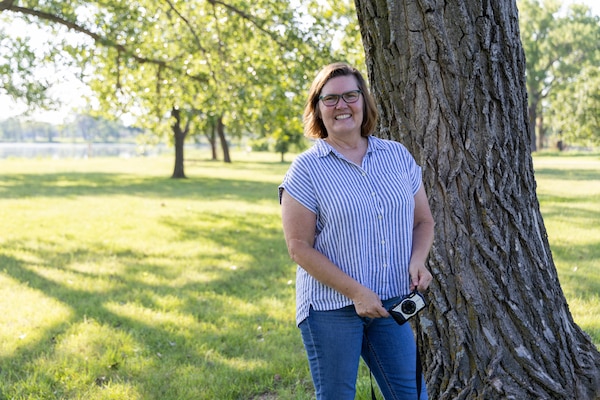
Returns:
(407, 307)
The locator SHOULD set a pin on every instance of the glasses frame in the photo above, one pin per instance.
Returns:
(340, 96)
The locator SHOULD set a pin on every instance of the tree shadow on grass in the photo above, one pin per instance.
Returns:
(570, 174)
(201, 358)
(566, 207)
(585, 280)
(206, 330)
(73, 184)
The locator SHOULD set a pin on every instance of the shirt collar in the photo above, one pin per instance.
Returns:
(323, 148)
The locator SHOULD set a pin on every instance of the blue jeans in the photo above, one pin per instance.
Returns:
(335, 340)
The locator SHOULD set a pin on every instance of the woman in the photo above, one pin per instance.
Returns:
(357, 222)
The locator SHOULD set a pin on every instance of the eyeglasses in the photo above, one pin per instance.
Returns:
(331, 100)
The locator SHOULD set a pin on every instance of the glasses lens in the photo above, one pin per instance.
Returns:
(330, 99)
(351, 97)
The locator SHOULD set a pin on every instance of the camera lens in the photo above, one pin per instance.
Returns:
(409, 307)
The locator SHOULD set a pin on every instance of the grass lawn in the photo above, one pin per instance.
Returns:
(569, 195)
(117, 282)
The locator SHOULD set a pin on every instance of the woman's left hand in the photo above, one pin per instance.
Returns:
(420, 277)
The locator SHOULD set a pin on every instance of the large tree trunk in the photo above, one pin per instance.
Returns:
(449, 76)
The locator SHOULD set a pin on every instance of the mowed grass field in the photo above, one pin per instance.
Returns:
(569, 195)
(117, 282)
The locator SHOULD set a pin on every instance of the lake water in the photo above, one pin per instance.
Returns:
(77, 150)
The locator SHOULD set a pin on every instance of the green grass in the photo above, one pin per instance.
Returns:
(569, 195)
(117, 282)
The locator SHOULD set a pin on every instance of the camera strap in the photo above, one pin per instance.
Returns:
(419, 369)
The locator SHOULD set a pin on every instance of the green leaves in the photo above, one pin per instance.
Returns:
(250, 63)
(562, 47)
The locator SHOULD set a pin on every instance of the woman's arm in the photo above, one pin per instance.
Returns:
(299, 225)
(422, 241)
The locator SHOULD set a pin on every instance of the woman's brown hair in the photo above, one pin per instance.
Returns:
(313, 124)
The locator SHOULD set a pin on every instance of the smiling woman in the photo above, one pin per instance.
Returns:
(345, 203)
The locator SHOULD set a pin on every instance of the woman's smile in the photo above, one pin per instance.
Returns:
(344, 117)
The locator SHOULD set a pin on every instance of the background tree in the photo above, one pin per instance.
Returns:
(166, 64)
(572, 106)
(450, 78)
(575, 116)
(16, 80)
(559, 44)
(12, 130)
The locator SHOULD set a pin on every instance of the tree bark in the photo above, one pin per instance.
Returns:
(532, 124)
(179, 136)
(223, 140)
(212, 140)
(541, 131)
(449, 79)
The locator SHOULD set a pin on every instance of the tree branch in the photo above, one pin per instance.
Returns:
(251, 19)
(8, 5)
(196, 37)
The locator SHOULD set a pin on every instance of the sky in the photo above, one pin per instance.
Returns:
(593, 4)
(70, 90)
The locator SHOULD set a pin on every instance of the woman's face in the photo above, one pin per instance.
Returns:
(342, 118)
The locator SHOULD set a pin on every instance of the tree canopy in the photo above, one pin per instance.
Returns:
(562, 47)
(180, 66)
(244, 65)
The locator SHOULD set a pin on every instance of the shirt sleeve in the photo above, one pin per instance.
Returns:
(298, 183)
(413, 170)
(416, 178)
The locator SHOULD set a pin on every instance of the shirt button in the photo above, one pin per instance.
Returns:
(383, 242)
(380, 216)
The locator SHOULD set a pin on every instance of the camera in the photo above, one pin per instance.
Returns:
(407, 307)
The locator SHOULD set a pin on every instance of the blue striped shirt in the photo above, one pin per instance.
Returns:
(364, 218)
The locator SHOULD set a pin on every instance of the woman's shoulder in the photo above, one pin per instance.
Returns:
(314, 152)
(387, 144)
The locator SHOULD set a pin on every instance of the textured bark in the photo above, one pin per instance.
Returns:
(179, 134)
(223, 140)
(449, 76)
(212, 139)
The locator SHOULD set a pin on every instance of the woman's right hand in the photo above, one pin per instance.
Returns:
(368, 305)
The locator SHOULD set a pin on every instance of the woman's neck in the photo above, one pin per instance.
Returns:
(354, 150)
(347, 143)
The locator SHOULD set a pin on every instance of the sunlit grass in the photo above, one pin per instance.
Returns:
(117, 282)
(569, 195)
(122, 283)
(26, 315)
